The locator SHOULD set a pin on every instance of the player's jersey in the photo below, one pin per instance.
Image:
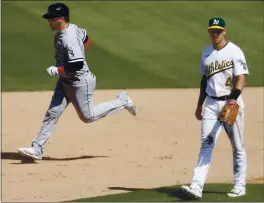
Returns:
(69, 48)
(220, 67)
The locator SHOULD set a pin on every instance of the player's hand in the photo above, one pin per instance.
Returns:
(198, 112)
(52, 71)
(232, 103)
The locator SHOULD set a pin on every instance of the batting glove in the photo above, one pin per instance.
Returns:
(52, 71)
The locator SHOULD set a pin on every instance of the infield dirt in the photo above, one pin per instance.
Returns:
(159, 147)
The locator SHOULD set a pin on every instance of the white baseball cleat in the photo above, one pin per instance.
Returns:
(192, 191)
(236, 192)
(29, 152)
(129, 105)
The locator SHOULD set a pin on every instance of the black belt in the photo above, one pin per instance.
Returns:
(72, 79)
(222, 98)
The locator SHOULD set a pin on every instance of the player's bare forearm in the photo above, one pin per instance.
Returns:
(87, 44)
(239, 82)
(203, 93)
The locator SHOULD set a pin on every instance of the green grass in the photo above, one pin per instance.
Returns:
(212, 193)
(139, 44)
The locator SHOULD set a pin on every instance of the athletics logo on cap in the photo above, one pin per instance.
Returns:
(216, 23)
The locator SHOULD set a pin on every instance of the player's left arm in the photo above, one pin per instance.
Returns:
(239, 81)
(85, 38)
(240, 72)
(75, 58)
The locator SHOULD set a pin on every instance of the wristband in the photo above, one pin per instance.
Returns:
(61, 70)
(235, 93)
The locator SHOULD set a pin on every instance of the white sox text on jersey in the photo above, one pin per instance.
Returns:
(220, 66)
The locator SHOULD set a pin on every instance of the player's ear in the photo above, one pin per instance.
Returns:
(224, 32)
(208, 31)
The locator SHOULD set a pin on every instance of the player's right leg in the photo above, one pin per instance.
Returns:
(210, 130)
(82, 99)
(56, 108)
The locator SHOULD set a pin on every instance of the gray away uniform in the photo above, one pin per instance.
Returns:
(77, 88)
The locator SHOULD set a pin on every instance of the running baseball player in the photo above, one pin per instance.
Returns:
(223, 68)
(76, 83)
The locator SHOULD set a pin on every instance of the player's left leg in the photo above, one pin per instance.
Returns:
(236, 136)
(58, 104)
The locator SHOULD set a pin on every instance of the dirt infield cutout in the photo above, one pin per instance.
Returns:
(157, 148)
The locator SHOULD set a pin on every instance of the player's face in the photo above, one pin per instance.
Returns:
(217, 35)
(55, 23)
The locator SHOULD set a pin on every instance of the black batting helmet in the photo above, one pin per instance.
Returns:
(57, 10)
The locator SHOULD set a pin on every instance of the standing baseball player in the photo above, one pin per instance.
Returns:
(76, 83)
(223, 68)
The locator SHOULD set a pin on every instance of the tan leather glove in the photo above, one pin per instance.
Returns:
(229, 113)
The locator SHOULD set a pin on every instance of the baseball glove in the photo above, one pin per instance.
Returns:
(229, 113)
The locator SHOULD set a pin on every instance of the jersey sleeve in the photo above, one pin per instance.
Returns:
(59, 53)
(82, 33)
(73, 50)
(240, 64)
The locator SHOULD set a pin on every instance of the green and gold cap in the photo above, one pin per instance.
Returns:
(216, 23)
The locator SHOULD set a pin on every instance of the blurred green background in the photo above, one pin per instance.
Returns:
(141, 44)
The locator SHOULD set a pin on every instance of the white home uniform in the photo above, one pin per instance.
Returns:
(220, 67)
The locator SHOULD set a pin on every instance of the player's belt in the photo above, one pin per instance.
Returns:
(222, 98)
(73, 78)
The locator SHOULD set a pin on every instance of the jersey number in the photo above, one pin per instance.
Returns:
(228, 82)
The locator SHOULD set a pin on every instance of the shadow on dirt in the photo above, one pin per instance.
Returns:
(171, 192)
(28, 160)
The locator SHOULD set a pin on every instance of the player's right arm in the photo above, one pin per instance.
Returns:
(203, 94)
(201, 99)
